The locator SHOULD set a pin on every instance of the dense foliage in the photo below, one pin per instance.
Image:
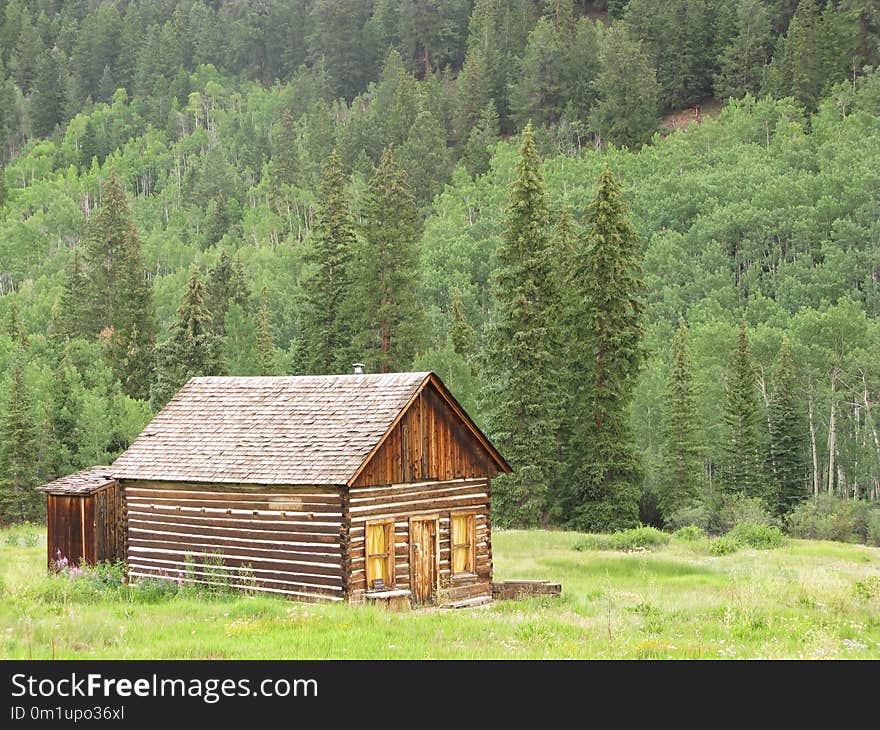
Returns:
(163, 164)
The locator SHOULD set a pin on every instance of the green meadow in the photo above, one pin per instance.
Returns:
(805, 600)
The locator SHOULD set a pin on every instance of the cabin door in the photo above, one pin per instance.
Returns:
(424, 569)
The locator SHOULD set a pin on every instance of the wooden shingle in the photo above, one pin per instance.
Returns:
(313, 430)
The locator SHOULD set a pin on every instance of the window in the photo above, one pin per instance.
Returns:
(464, 540)
(380, 553)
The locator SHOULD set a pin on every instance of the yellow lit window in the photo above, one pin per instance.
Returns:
(464, 540)
(380, 553)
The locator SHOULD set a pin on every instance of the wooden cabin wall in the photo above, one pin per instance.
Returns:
(429, 442)
(70, 522)
(273, 539)
(403, 501)
(108, 524)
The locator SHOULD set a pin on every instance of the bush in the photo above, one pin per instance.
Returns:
(867, 589)
(723, 545)
(594, 542)
(633, 539)
(736, 508)
(832, 518)
(689, 533)
(691, 517)
(754, 535)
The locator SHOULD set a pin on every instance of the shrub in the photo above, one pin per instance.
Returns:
(736, 508)
(697, 516)
(832, 518)
(754, 535)
(593, 542)
(689, 533)
(633, 539)
(723, 545)
(867, 589)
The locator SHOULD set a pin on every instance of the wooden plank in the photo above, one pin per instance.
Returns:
(252, 521)
(232, 529)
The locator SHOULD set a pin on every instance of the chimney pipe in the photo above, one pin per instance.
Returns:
(358, 368)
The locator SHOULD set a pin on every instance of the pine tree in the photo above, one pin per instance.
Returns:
(521, 397)
(19, 501)
(787, 435)
(47, 104)
(63, 421)
(679, 484)
(477, 156)
(192, 350)
(797, 68)
(325, 321)
(605, 329)
(265, 338)
(119, 292)
(461, 333)
(385, 299)
(75, 308)
(744, 61)
(425, 158)
(743, 466)
(14, 327)
(628, 109)
(227, 284)
(473, 87)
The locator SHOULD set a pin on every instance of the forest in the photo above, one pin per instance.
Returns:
(652, 320)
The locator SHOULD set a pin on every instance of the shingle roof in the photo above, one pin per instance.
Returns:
(83, 482)
(260, 430)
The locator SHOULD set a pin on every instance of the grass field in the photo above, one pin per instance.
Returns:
(804, 600)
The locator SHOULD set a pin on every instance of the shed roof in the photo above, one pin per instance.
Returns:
(315, 430)
(82, 482)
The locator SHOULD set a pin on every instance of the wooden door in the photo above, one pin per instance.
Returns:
(423, 559)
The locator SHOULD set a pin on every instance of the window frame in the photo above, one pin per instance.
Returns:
(390, 564)
(471, 528)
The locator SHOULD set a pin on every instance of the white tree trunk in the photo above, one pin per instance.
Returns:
(813, 442)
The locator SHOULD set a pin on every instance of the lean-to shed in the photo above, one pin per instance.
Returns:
(84, 517)
(341, 487)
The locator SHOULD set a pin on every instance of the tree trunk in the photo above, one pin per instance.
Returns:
(813, 442)
(766, 398)
(832, 437)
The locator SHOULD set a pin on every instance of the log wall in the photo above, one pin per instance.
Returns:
(403, 501)
(274, 539)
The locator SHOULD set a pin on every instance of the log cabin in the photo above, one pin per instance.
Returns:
(342, 488)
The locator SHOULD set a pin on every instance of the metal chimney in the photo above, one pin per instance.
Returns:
(358, 368)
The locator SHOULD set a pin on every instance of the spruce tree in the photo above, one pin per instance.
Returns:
(787, 435)
(19, 501)
(47, 103)
(119, 292)
(64, 413)
(680, 478)
(14, 326)
(385, 300)
(629, 95)
(521, 397)
(744, 61)
(605, 327)
(192, 350)
(75, 308)
(265, 338)
(743, 471)
(477, 156)
(227, 284)
(461, 333)
(425, 158)
(324, 320)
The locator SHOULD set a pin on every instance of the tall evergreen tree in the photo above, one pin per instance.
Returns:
(425, 158)
(628, 108)
(227, 284)
(461, 333)
(75, 308)
(521, 396)
(477, 156)
(605, 329)
(681, 475)
(119, 292)
(787, 435)
(192, 350)
(64, 413)
(743, 465)
(14, 326)
(19, 501)
(265, 338)
(744, 61)
(47, 103)
(325, 320)
(385, 299)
